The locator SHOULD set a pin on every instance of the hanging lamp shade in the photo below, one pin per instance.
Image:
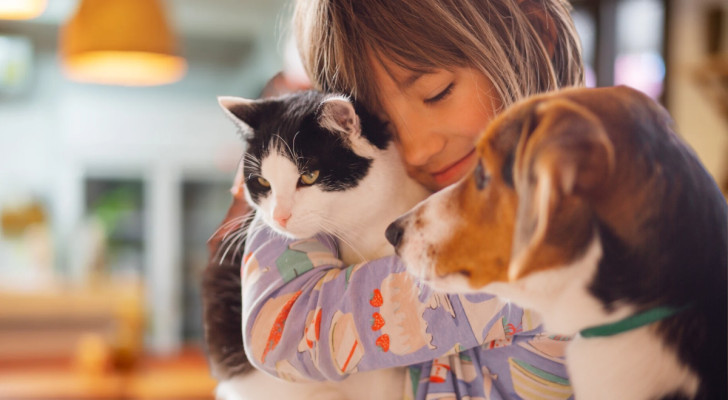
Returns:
(21, 9)
(120, 42)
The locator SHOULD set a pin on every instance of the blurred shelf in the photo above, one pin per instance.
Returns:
(50, 323)
(183, 376)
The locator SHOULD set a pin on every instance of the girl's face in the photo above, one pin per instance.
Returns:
(436, 118)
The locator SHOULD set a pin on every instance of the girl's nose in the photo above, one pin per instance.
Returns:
(419, 141)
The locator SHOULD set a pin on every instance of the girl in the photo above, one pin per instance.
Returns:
(437, 71)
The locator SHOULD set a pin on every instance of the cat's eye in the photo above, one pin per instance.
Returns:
(310, 177)
(481, 176)
(263, 182)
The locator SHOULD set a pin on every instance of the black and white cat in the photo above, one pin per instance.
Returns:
(315, 163)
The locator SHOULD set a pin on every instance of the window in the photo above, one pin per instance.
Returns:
(624, 43)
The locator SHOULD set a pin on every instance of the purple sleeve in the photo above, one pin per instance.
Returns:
(307, 316)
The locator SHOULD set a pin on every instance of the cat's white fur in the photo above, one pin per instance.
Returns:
(358, 217)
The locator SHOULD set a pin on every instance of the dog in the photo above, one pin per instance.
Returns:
(587, 207)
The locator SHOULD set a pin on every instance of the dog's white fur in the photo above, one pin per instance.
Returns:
(560, 295)
(438, 220)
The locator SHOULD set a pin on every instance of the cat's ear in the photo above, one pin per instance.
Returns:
(244, 112)
(337, 114)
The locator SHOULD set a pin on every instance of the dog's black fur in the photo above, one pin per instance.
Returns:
(685, 262)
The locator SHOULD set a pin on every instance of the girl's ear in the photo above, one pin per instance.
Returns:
(243, 112)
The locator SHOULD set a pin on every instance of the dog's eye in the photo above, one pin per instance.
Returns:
(481, 177)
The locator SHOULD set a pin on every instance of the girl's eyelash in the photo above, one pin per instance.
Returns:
(441, 95)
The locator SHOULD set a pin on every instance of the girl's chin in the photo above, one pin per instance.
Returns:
(431, 182)
(446, 177)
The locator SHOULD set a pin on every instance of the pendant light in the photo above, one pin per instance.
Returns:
(120, 42)
(21, 9)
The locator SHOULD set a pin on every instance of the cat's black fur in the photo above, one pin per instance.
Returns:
(293, 120)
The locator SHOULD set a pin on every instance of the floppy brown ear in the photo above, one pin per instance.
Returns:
(563, 159)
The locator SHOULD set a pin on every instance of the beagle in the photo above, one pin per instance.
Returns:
(588, 208)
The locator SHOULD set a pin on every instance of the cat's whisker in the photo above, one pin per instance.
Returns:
(235, 236)
(241, 243)
(251, 158)
(352, 231)
(293, 145)
(224, 254)
(227, 241)
(290, 150)
(242, 220)
(234, 242)
(332, 230)
(243, 223)
(253, 162)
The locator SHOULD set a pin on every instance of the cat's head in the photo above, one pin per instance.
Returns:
(305, 152)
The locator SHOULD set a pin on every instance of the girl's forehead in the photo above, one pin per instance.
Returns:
(400, 74)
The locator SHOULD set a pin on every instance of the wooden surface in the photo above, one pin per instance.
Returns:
(180, 377)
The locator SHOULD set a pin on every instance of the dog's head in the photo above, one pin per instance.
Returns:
(546, 167)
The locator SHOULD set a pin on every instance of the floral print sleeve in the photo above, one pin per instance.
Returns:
(306, 316)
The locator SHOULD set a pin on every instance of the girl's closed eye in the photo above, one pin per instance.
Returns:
(442, 95)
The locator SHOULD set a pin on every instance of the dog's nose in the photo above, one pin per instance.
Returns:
(394, 233)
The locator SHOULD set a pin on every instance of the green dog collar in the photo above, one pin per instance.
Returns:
(631, 322)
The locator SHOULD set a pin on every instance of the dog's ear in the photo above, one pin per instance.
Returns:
(563, 158)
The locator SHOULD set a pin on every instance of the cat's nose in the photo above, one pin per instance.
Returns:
(281, 219)
(394, 233)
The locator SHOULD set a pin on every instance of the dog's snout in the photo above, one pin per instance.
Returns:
(394, 233)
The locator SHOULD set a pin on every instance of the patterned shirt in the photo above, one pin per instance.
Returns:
(307, 316)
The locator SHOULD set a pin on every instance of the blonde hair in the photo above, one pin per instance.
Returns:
(523, 46)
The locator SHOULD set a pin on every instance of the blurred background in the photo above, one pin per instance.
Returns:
(116, 164)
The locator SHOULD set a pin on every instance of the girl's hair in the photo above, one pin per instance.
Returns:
(523, 46)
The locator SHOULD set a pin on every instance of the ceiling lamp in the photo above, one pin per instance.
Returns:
(21, 9)
(120, 42)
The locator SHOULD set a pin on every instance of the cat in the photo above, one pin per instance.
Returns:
(315, 163)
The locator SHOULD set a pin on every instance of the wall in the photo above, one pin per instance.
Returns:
(57, 133)
(696, 115)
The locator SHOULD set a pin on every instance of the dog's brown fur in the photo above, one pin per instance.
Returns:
(559, 137)
(492, 210)
(595, 209)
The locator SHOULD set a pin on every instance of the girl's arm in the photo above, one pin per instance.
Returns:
(307, 316)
